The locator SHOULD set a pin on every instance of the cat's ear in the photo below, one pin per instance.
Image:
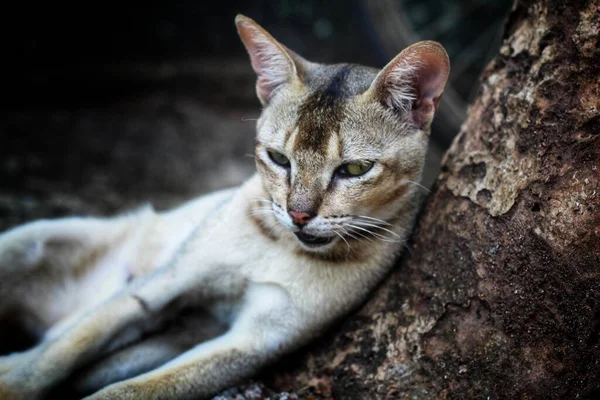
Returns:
(414, 81)
(271, 61)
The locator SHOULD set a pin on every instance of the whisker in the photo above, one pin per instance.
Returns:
(263, 210)
(258, 214)
(390, 240)
(263, 207)
(374, 219)
(362, 236)
(418, 184)
(354, 236)
(376, 226)
(272, 229)
(407, 248)
(377, 235)
(249, 119)
(366, 230)
(345, 241)
(260, 211)
(262, 199)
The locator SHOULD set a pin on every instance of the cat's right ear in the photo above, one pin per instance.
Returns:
(414, 81)
(270, 59)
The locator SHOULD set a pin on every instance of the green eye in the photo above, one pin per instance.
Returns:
(278, 158)
(354, 169)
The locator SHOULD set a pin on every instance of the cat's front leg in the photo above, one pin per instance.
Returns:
(33, 372)
(196, 374)
(268, 326)
(11, 361)
(10, 390)
(40, 368)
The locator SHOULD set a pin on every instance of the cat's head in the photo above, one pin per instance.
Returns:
(339, 147)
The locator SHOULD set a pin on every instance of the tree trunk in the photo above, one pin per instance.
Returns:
(500, 298)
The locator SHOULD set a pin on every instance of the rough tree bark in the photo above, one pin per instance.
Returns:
(500, 298)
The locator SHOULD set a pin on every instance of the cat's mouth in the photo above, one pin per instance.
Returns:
(313, 241)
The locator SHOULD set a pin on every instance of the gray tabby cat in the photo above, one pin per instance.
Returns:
(267, 266)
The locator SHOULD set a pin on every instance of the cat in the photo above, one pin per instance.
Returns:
(251, 273)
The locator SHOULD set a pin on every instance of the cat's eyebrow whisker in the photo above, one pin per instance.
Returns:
(245, 119)
(363, 223)
(417, 184)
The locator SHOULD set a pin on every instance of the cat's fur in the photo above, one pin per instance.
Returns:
(93, 288)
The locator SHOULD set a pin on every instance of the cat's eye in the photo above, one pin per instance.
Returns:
(278, 158)
(354, 169)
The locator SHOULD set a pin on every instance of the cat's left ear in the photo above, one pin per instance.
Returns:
(414, 81)
(271, 61)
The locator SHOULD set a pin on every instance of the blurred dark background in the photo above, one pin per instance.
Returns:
(109, 106)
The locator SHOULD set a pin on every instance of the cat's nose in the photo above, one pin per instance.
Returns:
(300, 218)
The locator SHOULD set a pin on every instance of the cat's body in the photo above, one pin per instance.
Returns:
(270, 264)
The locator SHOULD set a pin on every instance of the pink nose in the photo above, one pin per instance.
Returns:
(300, 218)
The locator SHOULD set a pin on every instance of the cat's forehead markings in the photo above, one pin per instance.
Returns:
(320, 114)
(290, 138)
(335, 145)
